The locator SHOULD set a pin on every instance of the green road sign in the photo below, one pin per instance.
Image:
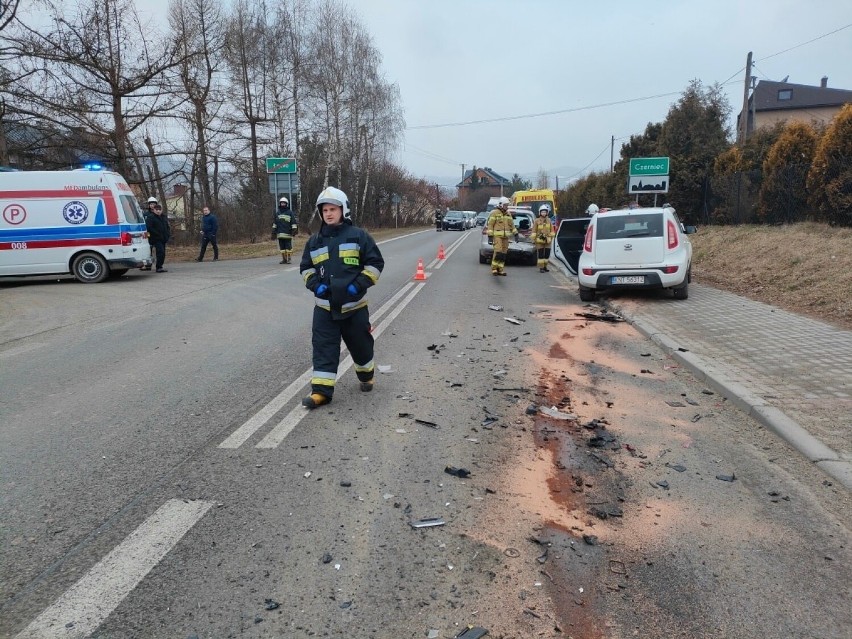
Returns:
(280, 165)
(647, 166)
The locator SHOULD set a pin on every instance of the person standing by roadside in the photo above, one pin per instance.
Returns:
(339, 264)
(285, 224)
(158, 233)
(500, 227)
(542, 231)
(209, 229)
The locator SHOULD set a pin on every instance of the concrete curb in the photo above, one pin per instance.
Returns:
(755, 407)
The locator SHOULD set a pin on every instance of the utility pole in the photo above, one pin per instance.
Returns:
(611, 152)
(744, 112)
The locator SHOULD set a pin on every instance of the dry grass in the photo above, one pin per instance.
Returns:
(803, 268)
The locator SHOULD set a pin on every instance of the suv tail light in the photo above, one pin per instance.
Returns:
(670, 269)
(126, 238)
(587, 243)
(588, 271)
(671, 232)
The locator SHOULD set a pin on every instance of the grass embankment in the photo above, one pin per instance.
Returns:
(805, 268)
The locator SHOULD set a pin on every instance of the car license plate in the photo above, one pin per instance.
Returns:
(627, 279)
(137, 239)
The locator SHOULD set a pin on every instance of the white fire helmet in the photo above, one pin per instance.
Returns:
(152, 200)
(593, 208)
(332, 195)
(544, 208)
(283, 200)
(503, 201)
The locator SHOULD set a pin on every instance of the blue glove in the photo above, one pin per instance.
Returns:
(353, 289)
(321, 290)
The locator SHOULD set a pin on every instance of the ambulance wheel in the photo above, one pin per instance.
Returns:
(90, 268)
(117, 272)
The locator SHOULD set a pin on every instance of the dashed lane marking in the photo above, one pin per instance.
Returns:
(85, 605)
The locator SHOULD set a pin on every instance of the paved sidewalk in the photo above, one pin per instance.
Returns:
(791, 373)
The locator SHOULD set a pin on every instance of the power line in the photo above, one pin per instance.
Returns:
(538, 115)
(824, 35)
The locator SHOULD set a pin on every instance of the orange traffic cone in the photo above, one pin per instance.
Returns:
(420, 274)
(441, 252)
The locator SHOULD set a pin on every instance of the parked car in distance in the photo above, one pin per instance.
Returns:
(480, 218)
(469, 217)
(521, 251)
(454, 221)
(636, 249)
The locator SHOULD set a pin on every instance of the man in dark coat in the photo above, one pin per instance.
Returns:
(209, 229)
(158, 234)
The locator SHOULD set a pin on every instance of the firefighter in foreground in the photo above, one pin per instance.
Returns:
(339, 264)
(500, 228)
(542, 231)
(285, 224)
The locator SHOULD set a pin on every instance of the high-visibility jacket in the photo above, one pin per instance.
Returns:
(500, 224)
(542, 231)
(285, 223)
(338, 256)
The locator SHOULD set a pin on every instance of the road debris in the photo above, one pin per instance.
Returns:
(428, 522)
(663, 484)
(512, 552)
(425, 422)
(674, 404)
(647, 371)
(532, 409)
(385, 369)
(346, 483)
(495, 307)
(271, 604)
(601, 317)
(678, 467)
(556, 413)
(513, 320)
(730, 477)
(326, 558)
(486, 423)
(591, 540)
(499, 373)
(461, 473)
(471, 632)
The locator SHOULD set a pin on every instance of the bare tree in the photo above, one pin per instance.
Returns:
(94, 69)
(199, 30)
(8, 9)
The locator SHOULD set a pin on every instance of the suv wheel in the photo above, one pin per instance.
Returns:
(681, 292)
(587, 294)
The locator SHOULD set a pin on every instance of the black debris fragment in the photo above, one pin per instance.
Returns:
(692, 402)
(696, 417)
(606, 511)
(663, 484)
(428, 522)
(601, 317)
(345, 605)
(730, 477)
(591, 540)
(708, 392)
(676, 467)
(647, 371)
(425, 422)
(490, 491)
(404, 414)
(532, 409)
(682, 349)
(457, 472)
(675, 404)
(346, 483)
(472, 632)
(326, 558)
(271, 604)
(488, 421)
(645, 354)
(431, 347)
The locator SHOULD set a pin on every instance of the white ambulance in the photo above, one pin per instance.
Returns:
(87, 223)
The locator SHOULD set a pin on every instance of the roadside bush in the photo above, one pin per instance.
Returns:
(830, 178)
(783, 194)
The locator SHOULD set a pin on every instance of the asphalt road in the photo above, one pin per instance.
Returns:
(158, 478)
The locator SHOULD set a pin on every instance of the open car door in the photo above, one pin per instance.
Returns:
(568, 243)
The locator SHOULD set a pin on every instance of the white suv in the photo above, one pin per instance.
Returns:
(636, 248)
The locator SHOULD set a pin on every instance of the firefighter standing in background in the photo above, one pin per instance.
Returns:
(542, 231)
(339, 264)
(439, 220)
(285, 224)
(500, 228)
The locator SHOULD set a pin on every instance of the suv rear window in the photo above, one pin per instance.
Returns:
(621, 226)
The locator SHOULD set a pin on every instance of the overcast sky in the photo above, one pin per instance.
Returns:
(466, 60)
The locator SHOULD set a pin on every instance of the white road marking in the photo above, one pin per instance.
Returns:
(436, 263)
(250, 427)
(85, 605)
(274, 438)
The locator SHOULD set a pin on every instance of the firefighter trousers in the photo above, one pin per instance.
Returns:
(354, 330)
(501, 251)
